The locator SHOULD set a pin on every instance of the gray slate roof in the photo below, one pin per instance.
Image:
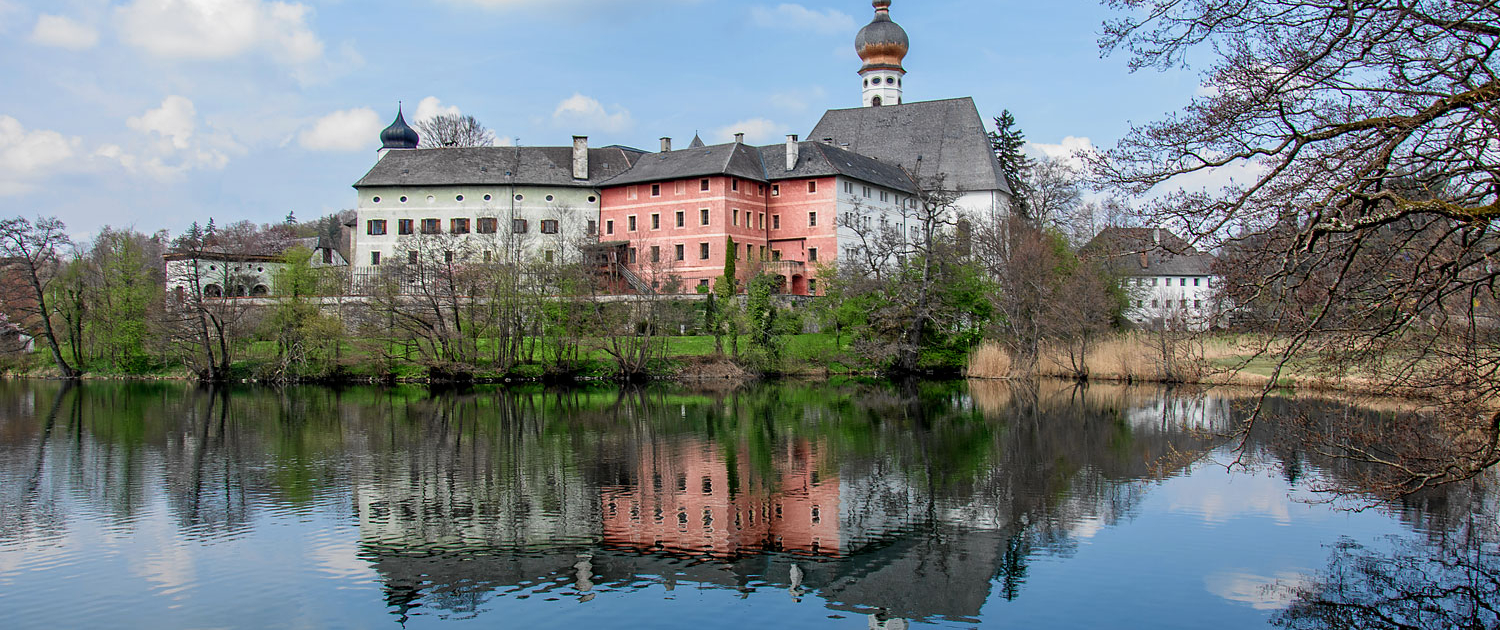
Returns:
(499, 166)
(735, 159)
(765, 164)
(1148, 252)
(948, 135)
(815, 159)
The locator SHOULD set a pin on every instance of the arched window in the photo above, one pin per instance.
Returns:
(875, 101)
(213, 290)
(260, 290)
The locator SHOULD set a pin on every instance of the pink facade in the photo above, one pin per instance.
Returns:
(665, 225)
(690, 501)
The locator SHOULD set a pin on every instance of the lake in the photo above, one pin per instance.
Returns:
(842, 504)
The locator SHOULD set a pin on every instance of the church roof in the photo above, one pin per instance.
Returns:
(815, 159)
(495, 166)
(947, 135)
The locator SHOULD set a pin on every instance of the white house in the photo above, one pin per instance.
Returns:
(1169, 281)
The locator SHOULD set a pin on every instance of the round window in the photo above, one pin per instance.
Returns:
(403, 198)
(592, 199)
(890, 80)
(458, 198)
(260, 269)
(486, 197)
(212, 268)
(431, 198)
(520, 197)
(376, 200)
(549, 198)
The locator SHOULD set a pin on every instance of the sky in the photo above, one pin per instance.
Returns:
(153, 114)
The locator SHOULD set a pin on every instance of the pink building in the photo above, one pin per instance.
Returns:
(788, 209)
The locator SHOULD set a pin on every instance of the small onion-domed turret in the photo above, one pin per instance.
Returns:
(399, 135)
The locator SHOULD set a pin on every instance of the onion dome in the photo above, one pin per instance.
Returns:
(882, 44)
(399, 135)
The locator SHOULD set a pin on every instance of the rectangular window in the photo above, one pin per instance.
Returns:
(812, 187)
(547, 255)
(1195, 281)
(458, 226)
(849, 187)
(655, 253)
(375, 227)
(656, 190)
(411, 258)
(760, 220)
(775, 221)
(775, 254)
(679, 187)
(812, 219)
(488, 255)
(885, 196)
(736, 216)
(630, 223)
(374, 258)
(489, 225)
(703, 251)
(630, 192)
(631, 255)
(734, 185)
(703, 185)
(1153, 283)
(593, 228)
(775, 190)
(609, 226)
(703, 216)
(680, 221)
(812, 254)
(681, 252)
(1155, 303)
(1197, 303)
(760, 190)
(549, 226)
(404, 226)
(655, 221)
(703, 282)
(866, 191)
(518, 226)
(1182, 282)
(432, 226)
(448, 257)
(812, 287)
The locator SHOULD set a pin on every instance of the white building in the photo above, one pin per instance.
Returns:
(504, 204)
(1169, 281)
(220, 273)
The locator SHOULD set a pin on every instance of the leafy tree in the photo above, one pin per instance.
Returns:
(765, 344)
(726, 287)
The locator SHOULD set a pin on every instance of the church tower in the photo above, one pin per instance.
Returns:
(882, 44)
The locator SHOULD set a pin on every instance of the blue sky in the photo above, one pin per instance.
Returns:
(157, 113)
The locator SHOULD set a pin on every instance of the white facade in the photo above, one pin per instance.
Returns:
(864, 208)
(1172, 299)
(523, 228)
(222, 276)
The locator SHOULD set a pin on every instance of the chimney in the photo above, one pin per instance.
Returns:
(739, 138)
(791, 151)
(666, 144)
(1145, 263)
(1156, 236)
(580, 157)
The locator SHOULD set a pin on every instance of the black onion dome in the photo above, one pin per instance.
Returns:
(882, 42)
(399, 135)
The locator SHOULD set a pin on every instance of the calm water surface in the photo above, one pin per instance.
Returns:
(829, 505)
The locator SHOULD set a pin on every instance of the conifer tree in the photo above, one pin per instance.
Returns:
(1009, 143)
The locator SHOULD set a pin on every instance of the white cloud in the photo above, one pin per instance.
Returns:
(175, 145)
(756, 130)
(584, 113)
(431, 107)
(25, 154)
(219, 29)
(63, 32)
(344, 130)
(174, 120)
(1067, 151)
(1259, 591)
(797, 100)
(799, 18)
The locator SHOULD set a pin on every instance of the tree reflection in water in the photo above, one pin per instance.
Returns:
(919, 501)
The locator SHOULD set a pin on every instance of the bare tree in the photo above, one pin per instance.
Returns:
(201, 324)
(1363, 135)
(449, 131)
(31, 249)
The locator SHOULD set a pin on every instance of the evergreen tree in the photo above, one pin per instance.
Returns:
(1009, 144)
(726, 287)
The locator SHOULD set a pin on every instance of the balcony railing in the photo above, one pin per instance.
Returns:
(786, 268)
